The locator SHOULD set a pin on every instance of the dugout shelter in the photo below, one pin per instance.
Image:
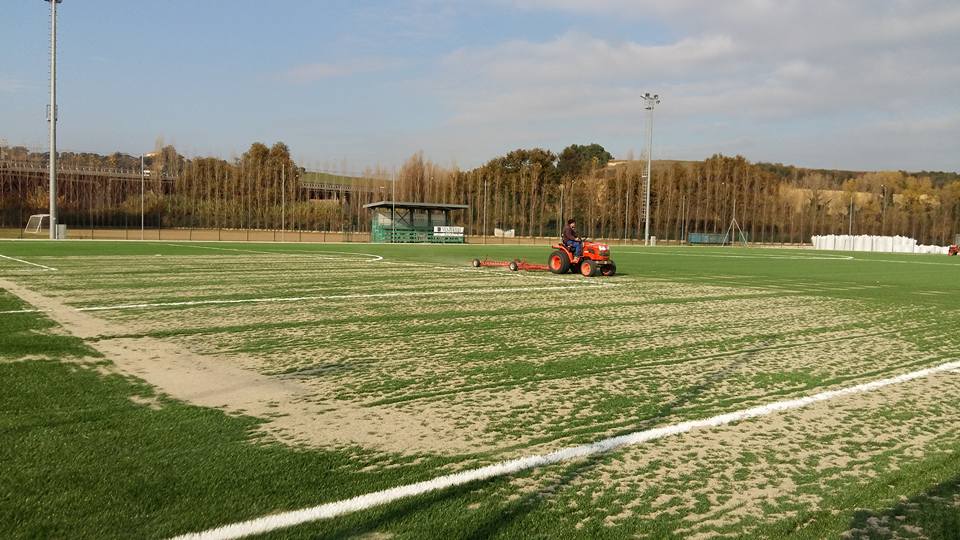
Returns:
(410, 222)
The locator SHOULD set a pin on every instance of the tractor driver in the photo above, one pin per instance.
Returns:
(571, 239)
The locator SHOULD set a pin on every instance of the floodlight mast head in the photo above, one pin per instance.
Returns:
(651, 100)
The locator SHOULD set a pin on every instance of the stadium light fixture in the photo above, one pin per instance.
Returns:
(52, 117)
(651, 102)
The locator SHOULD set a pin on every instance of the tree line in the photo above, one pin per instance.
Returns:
(532, 191)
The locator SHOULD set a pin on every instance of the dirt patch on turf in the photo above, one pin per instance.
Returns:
(212, 382)
(465, 374)
(726, 481)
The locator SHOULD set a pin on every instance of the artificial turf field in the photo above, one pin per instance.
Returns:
(158, 389)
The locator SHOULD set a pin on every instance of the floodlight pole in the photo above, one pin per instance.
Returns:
(484, 232)
(626, 215)
(560, 212)
(283, 201)
(52, 117)
(850, 230)
(141, 196)
(883, 208)
(393, 212)
(651, 101)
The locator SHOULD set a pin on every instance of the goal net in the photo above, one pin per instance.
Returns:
(37, 224)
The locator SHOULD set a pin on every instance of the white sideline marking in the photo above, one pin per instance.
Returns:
(19, 311)
(719, 256)
(908, 262)
(326, 511)
(28, 262)
(375, 258)
(329, 297)
(585, 281)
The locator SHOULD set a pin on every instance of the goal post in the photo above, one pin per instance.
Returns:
(37, 224)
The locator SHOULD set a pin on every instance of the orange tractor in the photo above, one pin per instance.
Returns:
(595, 260)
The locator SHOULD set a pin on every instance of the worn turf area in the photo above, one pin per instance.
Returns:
(228, 381)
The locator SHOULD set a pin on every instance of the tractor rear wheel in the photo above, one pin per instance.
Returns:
(513, 266)
(558, 262)
(476, 263)
(588, 268)
(608, 269)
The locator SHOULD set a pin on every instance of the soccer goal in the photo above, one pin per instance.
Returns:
(37, 224)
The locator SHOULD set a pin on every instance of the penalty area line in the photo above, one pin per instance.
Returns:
(317, 255)
(330, 297)
(363, 502)
(28, 262)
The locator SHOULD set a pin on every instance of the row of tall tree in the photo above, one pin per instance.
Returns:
(532, 191)
(258, 190)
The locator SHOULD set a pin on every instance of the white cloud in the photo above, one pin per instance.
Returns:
(572, 76)
(579, 56)
(776, 74)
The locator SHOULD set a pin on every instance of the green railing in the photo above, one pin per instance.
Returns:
(404, 235)
(717, 238)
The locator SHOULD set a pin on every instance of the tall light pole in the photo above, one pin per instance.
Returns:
(142, 181)
(626, 215)
(52, 117)
(383, 193)
(883, 208)
(141, 196)
(484, 209)
(560, 210)
(651, 101)
(850, 231)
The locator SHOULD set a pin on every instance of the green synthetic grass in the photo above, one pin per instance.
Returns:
(91, 462)
(81, 459)
(27, 335)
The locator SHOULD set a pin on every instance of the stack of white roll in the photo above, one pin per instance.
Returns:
(867, 242)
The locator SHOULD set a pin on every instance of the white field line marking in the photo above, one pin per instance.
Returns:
(252, 242)
(493, 271)
(370, 500)
(12, 311)
(789, 257)
(504, 273)
(909, 262)
(28, 262)
(318, 255)
(594, 282)
(331, 297)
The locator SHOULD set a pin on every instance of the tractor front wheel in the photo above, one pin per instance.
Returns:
(588, 268)
(476, 263)
(608, 269)
(558, 262)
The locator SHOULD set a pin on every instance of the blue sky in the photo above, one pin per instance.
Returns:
(859, 84)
